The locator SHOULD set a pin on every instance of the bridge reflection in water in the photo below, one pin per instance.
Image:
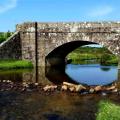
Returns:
(40, 106)
(52, 75)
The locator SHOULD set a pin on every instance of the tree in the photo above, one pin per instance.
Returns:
(8, 34)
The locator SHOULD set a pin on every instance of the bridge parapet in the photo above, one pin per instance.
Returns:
(109, 27)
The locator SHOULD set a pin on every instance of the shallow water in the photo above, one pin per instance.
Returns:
(92, 74)
(58, 105)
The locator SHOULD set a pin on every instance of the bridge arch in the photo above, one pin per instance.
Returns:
(58, 55)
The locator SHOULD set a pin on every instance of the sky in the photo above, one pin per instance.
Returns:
(14, 12)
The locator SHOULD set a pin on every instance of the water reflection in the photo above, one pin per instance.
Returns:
(59, 105)
(92, 74)
(14, 75)
(58, 75)
(86, 74)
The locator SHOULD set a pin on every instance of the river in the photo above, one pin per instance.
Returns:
(34, 105)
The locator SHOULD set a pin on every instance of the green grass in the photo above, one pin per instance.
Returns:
(15, 64)
(108, 111)
(82, 56)
(100, 55)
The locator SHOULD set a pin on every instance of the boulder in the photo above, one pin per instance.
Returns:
(79, 88)
(111, 88)
(98, 88)
(64, 87)
(115, 90)
(72, 89)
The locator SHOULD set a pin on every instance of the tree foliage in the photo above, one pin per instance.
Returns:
(4, 36)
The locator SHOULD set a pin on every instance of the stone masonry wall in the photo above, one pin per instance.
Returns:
(27, 36)
(52, 35)
(11, 48)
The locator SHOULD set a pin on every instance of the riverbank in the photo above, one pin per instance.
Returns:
(15, 64)
(36, 105)
(30, 101)
(88, 55)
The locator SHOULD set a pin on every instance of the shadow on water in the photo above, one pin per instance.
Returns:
(57, 75)
(14, 75)
(86, 74)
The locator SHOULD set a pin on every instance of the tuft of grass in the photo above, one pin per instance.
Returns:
(15, 64)
(108, 111)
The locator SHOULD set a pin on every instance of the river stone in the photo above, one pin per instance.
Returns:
(64, 87)
(72, 89)
(98, 88)
(111, 88)
(50, 88)
(79, 88)
(46, 88)
(36, 84)
(91, 90)
(115, 90)
(104, 94)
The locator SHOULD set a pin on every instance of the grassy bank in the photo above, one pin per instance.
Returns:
(98, 55)
(108, 111)
(15, 64)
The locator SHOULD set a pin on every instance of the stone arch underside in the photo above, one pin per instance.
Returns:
(66, 43)
(58, 55)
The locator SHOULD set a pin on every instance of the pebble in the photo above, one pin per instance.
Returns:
(36, 84)
(8, 81)
(104, 94)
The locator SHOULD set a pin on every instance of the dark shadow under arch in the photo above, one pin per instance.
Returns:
(57, 56)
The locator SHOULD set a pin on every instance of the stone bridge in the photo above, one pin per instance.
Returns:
(47, 44)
